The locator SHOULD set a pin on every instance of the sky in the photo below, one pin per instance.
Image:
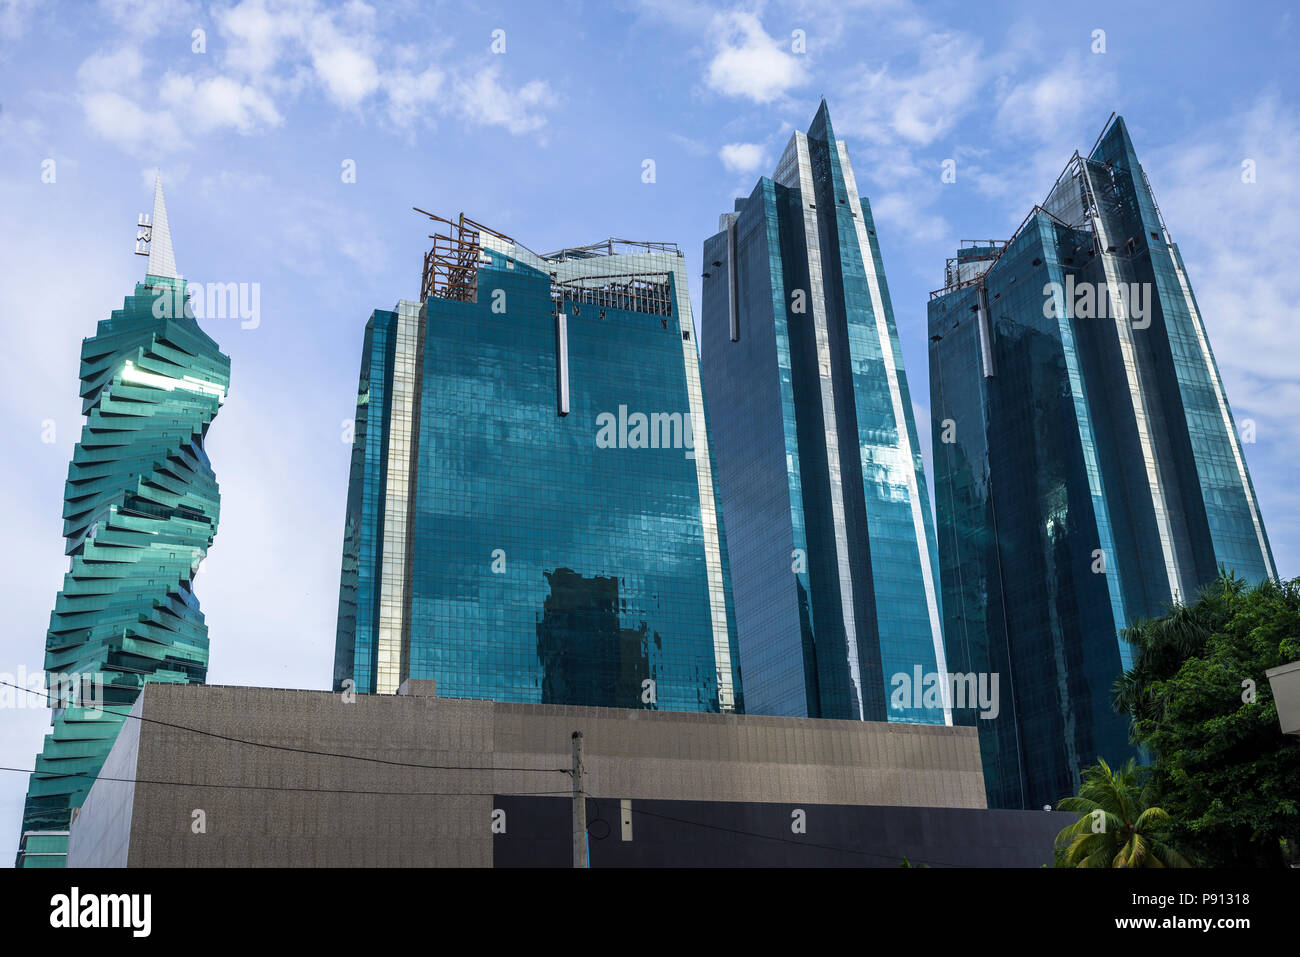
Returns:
(294, 136)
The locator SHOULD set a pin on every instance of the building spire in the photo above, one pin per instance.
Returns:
(162, 261)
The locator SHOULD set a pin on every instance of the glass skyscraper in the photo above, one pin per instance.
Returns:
(140, 512)
(531, 510)
(1087, 467)
(831, 537)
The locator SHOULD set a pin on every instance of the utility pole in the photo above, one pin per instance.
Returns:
(579, 806)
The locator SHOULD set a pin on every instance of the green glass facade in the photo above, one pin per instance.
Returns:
(531, 511)
(140, 512)
(830, 531)
(1087, 467)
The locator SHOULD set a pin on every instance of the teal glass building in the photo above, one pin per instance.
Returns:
(1087, 467)
(140, 512)
(531, 511)
(829, 525)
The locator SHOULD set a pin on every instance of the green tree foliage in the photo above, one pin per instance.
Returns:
(1203, 712)
(1117, 826)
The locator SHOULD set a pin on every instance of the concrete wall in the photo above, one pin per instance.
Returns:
(425, 796)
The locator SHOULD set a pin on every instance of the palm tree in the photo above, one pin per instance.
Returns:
(1161, 645)
(1116, 826)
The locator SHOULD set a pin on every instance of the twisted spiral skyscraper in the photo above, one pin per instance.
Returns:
(140, 511)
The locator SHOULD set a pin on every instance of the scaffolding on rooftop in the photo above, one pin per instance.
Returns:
(451, 265)
(610, 247)
(451, 271)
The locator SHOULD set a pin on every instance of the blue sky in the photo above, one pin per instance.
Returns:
(546, 141)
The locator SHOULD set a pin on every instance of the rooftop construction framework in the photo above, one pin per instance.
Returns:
(451, 269)
(451, 265)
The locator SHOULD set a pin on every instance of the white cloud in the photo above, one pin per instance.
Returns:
(212, 103)
(287, 46)
(1047, 107)
(13, 17)
(741, 157)
(751, 64)
(894, 109)
(256, 37)
(25, 131)
(408, 93)
(348, 75)
(900, 108)
(906, 213)
(218, 102)
(112, 70)
(313, 234)
(144, 19)
(686, 15)
(920, 104)
(482, 99)
(133, 128)
(691, 145)
(273, 52)
(1238, 242)
(344, 63)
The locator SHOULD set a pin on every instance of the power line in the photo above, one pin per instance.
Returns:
(432, 767)
(564, 793)
(285, 747)
(273, 787)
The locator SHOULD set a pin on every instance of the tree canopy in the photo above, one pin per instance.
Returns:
(1203, 711)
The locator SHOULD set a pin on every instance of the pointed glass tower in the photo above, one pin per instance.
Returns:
(830, 534)
(140, 511)
(1087, 465)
